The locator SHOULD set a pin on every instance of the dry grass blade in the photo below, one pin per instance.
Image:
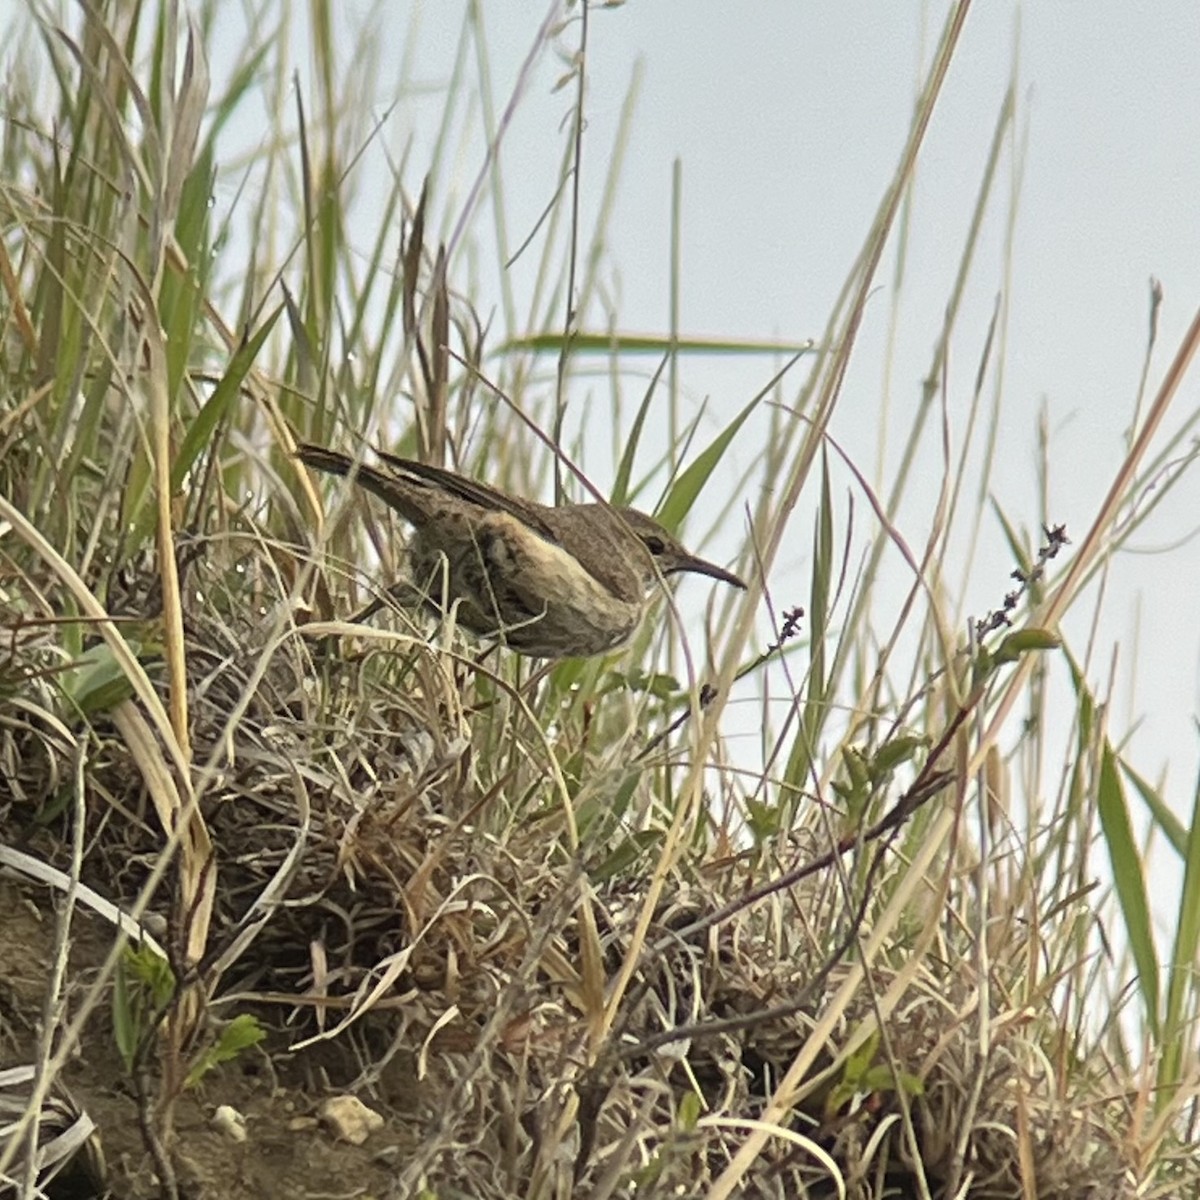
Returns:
(65, 1137)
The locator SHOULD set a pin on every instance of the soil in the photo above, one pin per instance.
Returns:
(288, 1152)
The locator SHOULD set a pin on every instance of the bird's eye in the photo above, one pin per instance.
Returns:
(655, 544)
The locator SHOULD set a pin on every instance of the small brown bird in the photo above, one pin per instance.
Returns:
(549, 582)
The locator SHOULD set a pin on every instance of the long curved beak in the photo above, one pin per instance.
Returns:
(701, 566)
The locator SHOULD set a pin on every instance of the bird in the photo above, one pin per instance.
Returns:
(572, 581)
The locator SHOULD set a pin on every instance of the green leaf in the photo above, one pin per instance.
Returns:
(882, 1078)
(630, 850)
(1024, 641)
(1178, 1020)
(688, 1113)
(240, 1034)
(152, 972)
(620, 490)
(659, 684)
(616, 342)
(691, 481)
(200, 432)
(858, 1063)
(96, 682)
(143, 985)
(895, 752)
(1160, 811)
(1130, 882)
(762, 819)
(817, 698)
(125, 1024)
(857, 769)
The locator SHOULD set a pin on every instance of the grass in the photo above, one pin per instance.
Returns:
(552, 921)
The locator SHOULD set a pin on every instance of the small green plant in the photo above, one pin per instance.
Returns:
(143, 986)
(143, 990)
(863, 1074)
(240, 1034)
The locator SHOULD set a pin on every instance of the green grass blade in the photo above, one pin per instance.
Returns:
(1130, 881)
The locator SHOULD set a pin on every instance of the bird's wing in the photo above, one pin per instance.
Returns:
(473, 492)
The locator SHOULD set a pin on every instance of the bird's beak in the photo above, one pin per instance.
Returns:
(701, 566)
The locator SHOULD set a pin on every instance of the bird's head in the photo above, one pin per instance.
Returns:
(668, 554)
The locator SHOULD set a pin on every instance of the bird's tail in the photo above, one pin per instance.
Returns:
(401, 494)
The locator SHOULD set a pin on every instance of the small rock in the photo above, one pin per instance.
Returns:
(350, 1119)
(230, 1122)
